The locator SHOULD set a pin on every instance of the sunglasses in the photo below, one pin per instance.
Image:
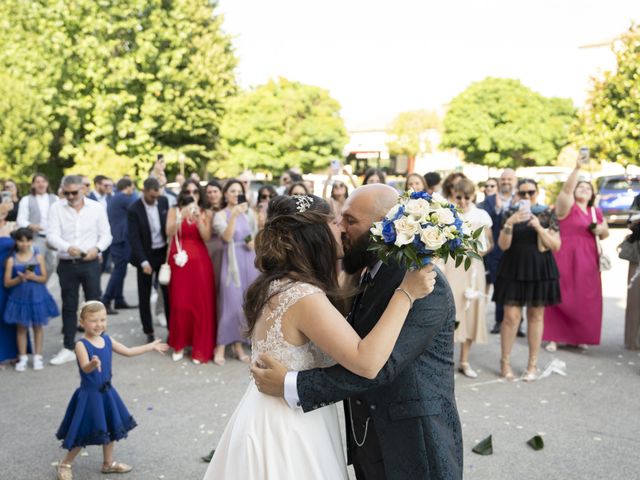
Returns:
(266, 197)
(460, 197)
(527, 193)
(490, 185)
(191, 192)
(70, 193)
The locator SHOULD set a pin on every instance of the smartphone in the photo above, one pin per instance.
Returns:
(242, 199)
(31, 268)
(335, 166)
(524, 206)
(6, 197)
(583, 156)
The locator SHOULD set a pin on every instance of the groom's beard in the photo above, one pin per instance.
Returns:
(356, 255)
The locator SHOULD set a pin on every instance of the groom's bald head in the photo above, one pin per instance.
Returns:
(375, 199)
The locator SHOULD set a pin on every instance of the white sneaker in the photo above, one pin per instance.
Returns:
(21, 366)
(38, 364)
(177, 356)
(63, 356)
(161, 319)
(551, 347)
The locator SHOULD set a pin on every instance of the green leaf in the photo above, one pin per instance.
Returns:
(536, 442)
(459, 260)
(477, 233)
(473, 254)
(467, 263)
(485, 447)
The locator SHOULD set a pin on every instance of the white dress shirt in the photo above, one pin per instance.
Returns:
(23, 211)
(85, 229)
(153, 216)
(291, 378)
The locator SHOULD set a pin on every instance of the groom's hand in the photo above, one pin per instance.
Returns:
(269, 376)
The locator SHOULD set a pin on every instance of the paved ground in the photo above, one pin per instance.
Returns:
(589, 419)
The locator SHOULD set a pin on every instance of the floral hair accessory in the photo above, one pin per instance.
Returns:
(303, 203)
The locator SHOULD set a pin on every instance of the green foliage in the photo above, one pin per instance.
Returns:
(501, 123)
(610, 125)
(127, 78)
(407, 132)
(280, 125)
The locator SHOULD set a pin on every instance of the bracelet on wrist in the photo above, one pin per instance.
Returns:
(400, 289)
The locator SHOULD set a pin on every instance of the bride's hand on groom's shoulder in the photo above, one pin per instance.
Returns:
(269, 376)
(419, 283)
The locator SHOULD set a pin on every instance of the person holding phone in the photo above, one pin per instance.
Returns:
(578, 319)
(237, 226)
(527, 275)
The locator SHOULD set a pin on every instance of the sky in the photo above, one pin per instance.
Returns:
(380, 58)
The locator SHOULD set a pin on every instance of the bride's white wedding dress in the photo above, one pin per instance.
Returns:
(265, 438)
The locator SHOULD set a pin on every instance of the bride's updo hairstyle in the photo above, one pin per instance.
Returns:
(297, 243)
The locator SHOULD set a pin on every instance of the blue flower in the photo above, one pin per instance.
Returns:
(398, 214)
(455, 243)
(423, 195)
(458, 223)
(388, 231)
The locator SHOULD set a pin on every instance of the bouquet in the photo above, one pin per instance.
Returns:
(422, 226)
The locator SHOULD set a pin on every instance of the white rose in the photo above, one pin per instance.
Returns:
(466, 228)
(433, 238)
(437, 198)
(406, 229)
(393, 212)
(450, 232)
(377, 229)
(445, 216)
(417, 208)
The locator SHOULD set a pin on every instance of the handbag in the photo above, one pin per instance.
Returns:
(604, 262)
(164, 274)
(629, 250)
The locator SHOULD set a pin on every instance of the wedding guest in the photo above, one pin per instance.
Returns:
(577, 320)
(236, 224)
(146, 227)
(79, 230)
(192, 288)
(468, 286)
(433, 181)
(632, 310)
(120, 247)
(286, 179)
(527, 275)
(339, 190)
(265, 194)
(102, 193)
(213, 193)
(33, 213)
(11, 187)
(416, 182)
(245, 179)
(297, 188)
(496, 205)
(86, 186)
(8, 332)
(448, 183)
(374, 175)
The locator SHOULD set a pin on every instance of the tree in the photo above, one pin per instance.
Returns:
(610, 122)
(501, 123)
(407, 132)
(129, 77)
(280, 125)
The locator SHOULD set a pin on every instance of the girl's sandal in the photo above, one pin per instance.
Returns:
(64, 471)
(116, 467)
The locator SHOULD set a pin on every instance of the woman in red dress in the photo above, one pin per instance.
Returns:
(577, 320)
(192, 286)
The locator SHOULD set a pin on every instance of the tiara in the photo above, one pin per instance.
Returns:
(303, 203)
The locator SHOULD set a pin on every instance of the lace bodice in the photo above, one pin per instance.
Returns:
(295, 358)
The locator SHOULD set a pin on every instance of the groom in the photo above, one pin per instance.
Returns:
(403, 424)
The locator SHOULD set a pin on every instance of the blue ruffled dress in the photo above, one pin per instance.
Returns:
(8, 344)
(29, 303)
(96, 414)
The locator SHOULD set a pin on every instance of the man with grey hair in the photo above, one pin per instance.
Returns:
(79, 230)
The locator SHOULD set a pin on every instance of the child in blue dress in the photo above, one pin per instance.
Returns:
(96, 414)
(29, 303)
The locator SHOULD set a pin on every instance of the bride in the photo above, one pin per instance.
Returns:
(291, 317)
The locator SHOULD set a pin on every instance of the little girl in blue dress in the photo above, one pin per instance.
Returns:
(96, 414)
(29, 303)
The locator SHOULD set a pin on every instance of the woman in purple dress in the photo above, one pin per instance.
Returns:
(236, 225)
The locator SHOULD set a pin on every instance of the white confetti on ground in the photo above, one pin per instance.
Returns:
(544, 401)
(84, 454)
(597, 439)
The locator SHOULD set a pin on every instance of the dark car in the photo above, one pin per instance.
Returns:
(615, 196)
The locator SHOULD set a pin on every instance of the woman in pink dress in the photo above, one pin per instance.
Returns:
(577, 320)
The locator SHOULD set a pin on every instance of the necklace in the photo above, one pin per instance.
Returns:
(353, 431)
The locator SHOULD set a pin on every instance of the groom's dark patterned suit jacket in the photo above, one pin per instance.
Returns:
(411, 401)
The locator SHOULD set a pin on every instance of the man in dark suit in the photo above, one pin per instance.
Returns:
(120, 249)
(403, 424)
(146, 221)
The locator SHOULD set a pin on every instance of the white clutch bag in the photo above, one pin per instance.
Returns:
(164, 275)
